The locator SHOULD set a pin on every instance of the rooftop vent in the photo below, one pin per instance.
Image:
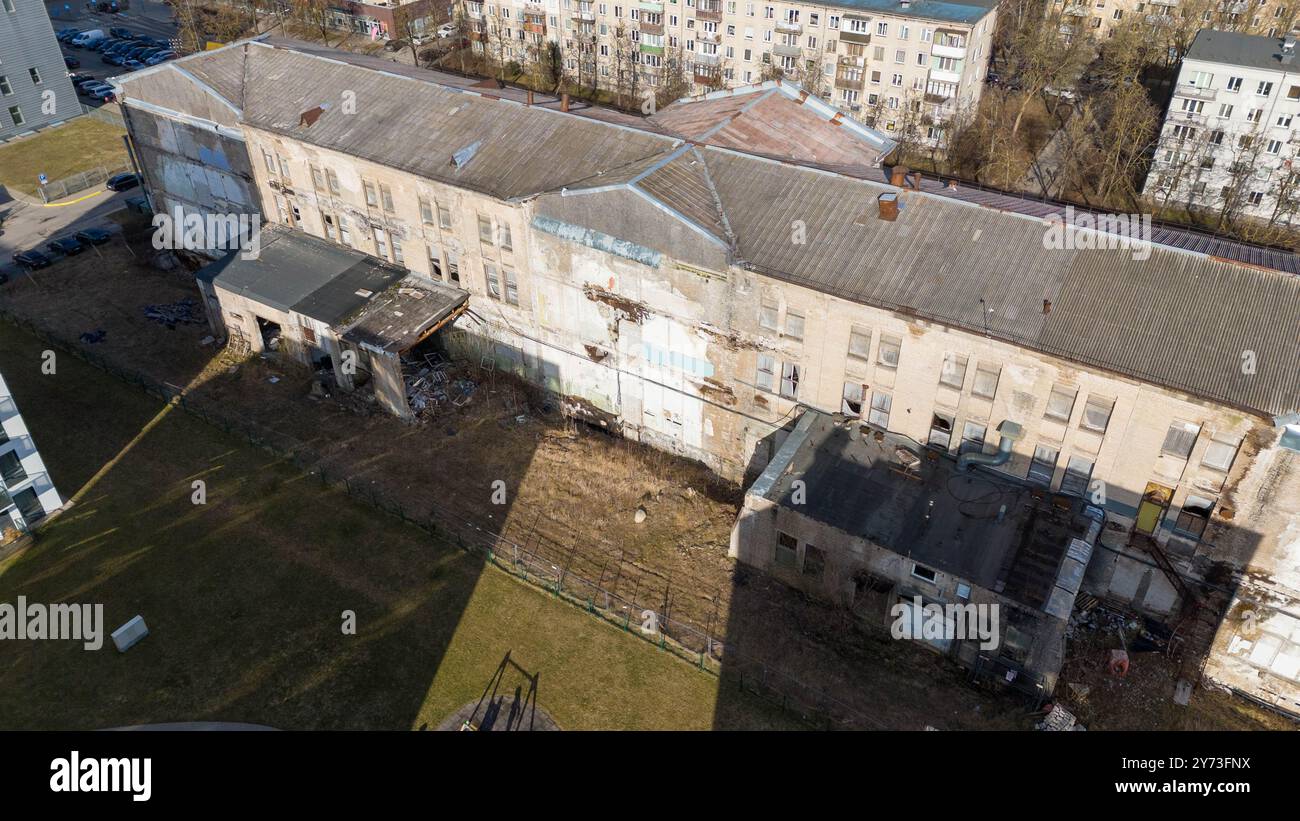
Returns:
(462, 157)
(311, 115)
(887, 204)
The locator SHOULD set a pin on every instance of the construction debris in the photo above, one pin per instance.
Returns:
(185, 312)
(1060, 720)
(430, 386)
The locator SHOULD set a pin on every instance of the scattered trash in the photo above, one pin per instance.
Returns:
(273, 380)
(185, 312)
(1059, 719)
(92, 337)
(640, 515)
(1182, 692)
(207, 340)
(1118, 663)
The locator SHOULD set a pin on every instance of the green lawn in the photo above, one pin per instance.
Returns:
(243, 595)
(82, 144)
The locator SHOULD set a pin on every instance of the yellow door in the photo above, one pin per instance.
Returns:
(1155, 501)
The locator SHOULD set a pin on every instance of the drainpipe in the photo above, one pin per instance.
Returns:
(1010, 433)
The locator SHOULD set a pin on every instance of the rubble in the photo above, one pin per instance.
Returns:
(184, 312)
(1059, 720)
(430, 387)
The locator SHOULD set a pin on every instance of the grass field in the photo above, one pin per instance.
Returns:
(244, 594)
(82, 144)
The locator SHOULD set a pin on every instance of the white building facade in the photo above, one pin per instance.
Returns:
(27, 494)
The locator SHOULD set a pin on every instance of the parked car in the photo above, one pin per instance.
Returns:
(446, 30)
(71, 62)
(394, 45)
(100, 45)
(65, 35)
(132, 65)
(94, 236)
(123, 182)
(124, 33)
(103, 95)
(113, 59)
(85, 38)
(32, 259)
(161, 57)
(88, 89)
(78, 79)
(67, 246)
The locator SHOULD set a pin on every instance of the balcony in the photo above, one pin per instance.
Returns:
(850, 80)
(646, 48)
(955, 52)
(1078, 11)
(861, 37)
(784, 50)
(585, 16)
(1170, 3)
(941, 76)
(1196, 92)
(709, 37)
(703, 59)
(787, 27)
(1195, 117)
(707, 75)
(653, 8)
(651, 28)
(709, 10)
(848, 61)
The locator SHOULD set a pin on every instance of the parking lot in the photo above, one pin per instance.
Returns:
(150, 18)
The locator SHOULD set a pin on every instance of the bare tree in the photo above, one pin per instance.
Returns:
(1041, 56)
(317, 14)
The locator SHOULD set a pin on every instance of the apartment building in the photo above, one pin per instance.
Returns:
(34, 87)
(885, 62)
(1175, 21)
(1228, 139)
(700, 298)
(27, 494)
(389, 19)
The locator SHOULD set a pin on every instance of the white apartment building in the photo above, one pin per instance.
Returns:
(878, 60)
(1173, 19)
(1228, 139)
(27, 494)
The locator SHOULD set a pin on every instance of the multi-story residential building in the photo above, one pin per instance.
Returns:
(390, 19)
(703, 299)
(27, 494)
(889, 63)
(1175, 21)
(1228, 139)
(34, 87)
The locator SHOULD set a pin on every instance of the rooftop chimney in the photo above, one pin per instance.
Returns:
(887, 204)
(564, 101)
(530, 96)
(898, 176)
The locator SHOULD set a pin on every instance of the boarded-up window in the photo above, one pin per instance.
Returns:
(1180, 439)
(1061, 402)
(1096, 413)
(787, 550)
(986, 380)
(953, 373)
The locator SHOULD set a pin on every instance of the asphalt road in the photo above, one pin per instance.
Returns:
(29, 226)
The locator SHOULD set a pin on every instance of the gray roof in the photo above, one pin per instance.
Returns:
(965, 11)
(301, 273)
(1180, 319)
(940, 518)
(1236, 49)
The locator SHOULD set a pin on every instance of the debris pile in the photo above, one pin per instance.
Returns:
(185, 312)
(430, 386)
(1059, 720)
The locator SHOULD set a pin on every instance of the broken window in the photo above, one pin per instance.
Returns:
(766, 376)
(453, 268)
(972, 438)
(814, 561)
(1220, 453)
(940, 431)
(398, 256)
(1180, 439)
(860, 344)
(1195, 516)
(851, 402)
(1078, 471)
(890, 348)
(330, 230)
(1096, 413)
(435, 264)
(493, 283)
(922, 572)
(787, 550)
(953, 373)
(793, 324)
(986, 380)
(1060, 404)
(1043, 465)
(789, 380)
(484, 230)
(880, 406)
(381, 243)
(512, 286)
(767, 315)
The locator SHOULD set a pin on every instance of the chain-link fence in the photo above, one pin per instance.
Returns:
(66, 187)
(537, 561)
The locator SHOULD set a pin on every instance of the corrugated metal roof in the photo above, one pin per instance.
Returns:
(1177, 319)
(1236, 49)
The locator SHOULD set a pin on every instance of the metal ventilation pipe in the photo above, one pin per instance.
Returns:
(1010, 433)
